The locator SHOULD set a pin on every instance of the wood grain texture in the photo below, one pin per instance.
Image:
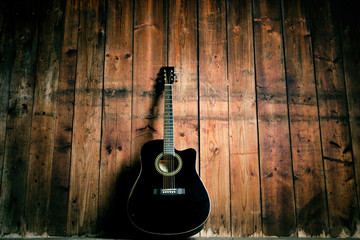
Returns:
(335, 134)
(244, 161)
(116, 124)
(7, 53)
(84, 174)
(350, 35)
(277, 190)
(44, 114)
(267, 95)
(150, 54)
(60, 175)
(182, 47)
(310, 192)
(214, 124)
(19, 115)
(182, 53)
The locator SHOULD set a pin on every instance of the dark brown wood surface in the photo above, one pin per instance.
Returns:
(116, 133)
(44, 115)
(86, 141)
(214, 114)
(267, 94)
(350, 35)
(23, 35)
(182, 53)
(243, 131)
(309, 185)
(182, 47)
(59, 192)
(276, 174)
(7, 50)
(150, 54)
(334, 119)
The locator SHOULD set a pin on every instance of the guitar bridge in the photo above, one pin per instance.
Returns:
(169, 191)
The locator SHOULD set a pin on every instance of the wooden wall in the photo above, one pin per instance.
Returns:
(267, 94)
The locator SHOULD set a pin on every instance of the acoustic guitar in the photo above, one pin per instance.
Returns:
(168, 198)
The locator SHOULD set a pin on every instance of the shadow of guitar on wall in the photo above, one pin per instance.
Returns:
(115, 222)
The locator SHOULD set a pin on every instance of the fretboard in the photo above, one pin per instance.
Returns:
(168, 122)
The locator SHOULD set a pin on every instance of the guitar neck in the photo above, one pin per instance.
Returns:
(168, 122)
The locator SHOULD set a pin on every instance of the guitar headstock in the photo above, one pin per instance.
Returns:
(169, 75)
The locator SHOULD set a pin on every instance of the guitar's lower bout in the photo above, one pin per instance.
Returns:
(179, 211)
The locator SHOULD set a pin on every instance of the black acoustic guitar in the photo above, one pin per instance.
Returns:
(168, 198)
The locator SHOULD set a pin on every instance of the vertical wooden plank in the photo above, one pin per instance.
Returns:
(277, 190)
(44, 113)
(183, 55)
(85, 156)
(7, 52)
(311, 206)
(59, 193)
(18, 125)
(214, 137)
(350, 35)
(116, 137)
(335, 134)
(182, 47)
(150, 54)
(244, 162)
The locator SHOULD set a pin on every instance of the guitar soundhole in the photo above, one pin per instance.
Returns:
(168, 165)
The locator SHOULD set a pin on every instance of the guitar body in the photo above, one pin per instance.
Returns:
(179, 211)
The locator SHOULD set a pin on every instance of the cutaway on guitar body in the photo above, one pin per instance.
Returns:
(180, 211)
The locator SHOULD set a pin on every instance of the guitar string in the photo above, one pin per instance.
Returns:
(169, 181)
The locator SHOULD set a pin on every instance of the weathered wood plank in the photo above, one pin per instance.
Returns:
(244, 162)
(214, 137)
(182, 47)
(59, 193)
(350, 35)
(183, 55)
(150, 54)
(311, 206)
(7, 53)
(18, 125)
(335, 134)
(278, 206)
(116, 137)
(85, 156)
(44, 114)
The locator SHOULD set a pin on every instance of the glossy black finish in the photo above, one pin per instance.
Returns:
(173, 216)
